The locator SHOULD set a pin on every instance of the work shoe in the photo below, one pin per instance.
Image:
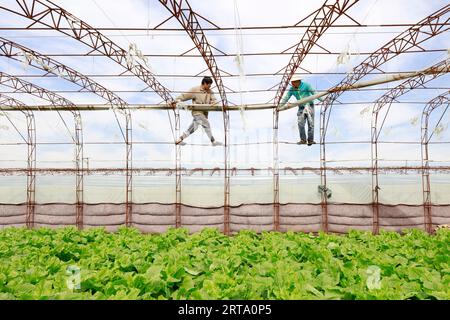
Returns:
(217, 143)
(302, 142)
(180, 142)
(311, 142)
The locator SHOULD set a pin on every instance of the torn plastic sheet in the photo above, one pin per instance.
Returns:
(134, 54)
(414, 121)
(439, 130)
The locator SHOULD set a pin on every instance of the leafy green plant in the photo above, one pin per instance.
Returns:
(127, 264)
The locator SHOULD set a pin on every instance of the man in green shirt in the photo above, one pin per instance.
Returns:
(300, 89)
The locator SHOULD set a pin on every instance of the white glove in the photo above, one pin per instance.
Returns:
(181, 105)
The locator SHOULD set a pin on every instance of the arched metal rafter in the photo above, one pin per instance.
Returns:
(50, 15)
(183, 12)
(424, 30)
(386, 100)
(9, 103)
(20, 85)
(14, 50)
(31, 161)
(443, 99)
(324, 18)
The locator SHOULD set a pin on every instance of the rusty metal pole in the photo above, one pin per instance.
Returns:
(323, 171)
(177, 172)
(276, 173)
(426, 186)
(324, 18)
(183, 12)
(375, 186)
(31, 172)
(31, 158)
(129, 171)
(79, 169)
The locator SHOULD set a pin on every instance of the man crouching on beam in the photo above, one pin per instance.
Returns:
(199, 95)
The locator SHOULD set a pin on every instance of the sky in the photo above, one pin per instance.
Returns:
(350, 118)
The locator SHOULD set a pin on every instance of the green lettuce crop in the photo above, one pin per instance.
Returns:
(94, 264)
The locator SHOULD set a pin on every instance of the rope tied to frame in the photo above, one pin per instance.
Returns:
(133, 55)
(344, 56)
(239, 61)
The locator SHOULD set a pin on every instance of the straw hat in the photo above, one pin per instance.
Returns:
(296, 77)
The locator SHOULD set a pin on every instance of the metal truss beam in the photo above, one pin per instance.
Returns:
(54, 17)
(412, 38)
(324, 18)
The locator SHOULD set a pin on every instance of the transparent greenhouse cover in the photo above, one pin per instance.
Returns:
(252, 42)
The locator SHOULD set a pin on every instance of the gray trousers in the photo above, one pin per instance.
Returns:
(304, 116)
(199, 120)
